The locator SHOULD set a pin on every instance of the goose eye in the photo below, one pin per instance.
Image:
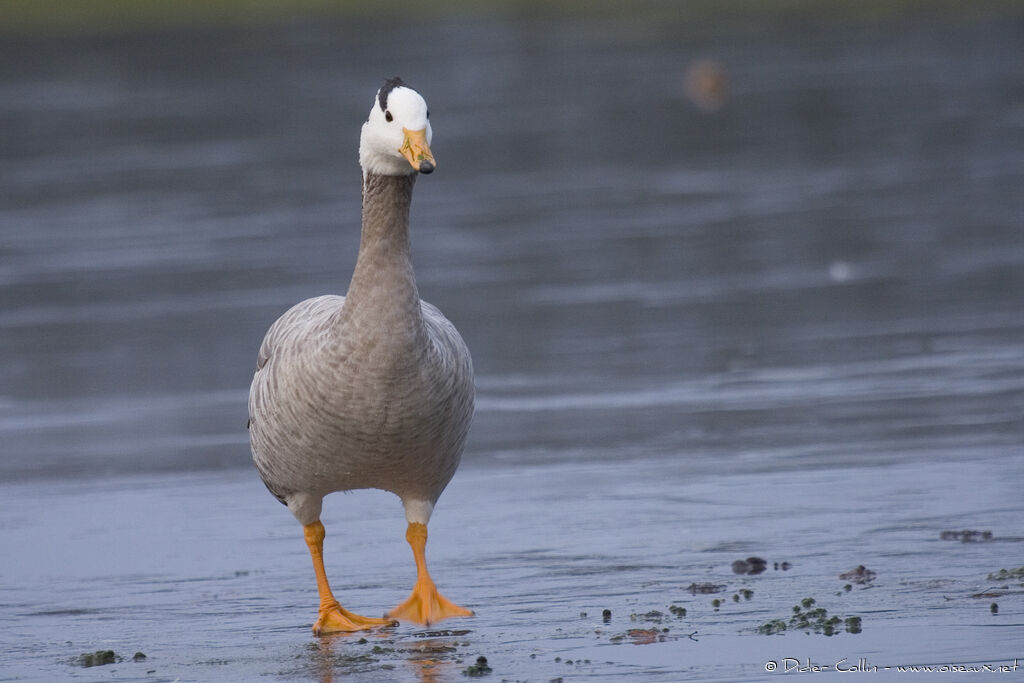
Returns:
(388, 117)
(428, 113)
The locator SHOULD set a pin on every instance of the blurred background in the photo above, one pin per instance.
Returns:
(780, 234)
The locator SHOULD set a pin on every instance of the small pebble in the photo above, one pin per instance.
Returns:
(751, 565)
(481, 668)
(859, 574)
(98, 658)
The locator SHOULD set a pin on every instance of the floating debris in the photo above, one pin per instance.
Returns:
(705, 588)
(654, 616)
(606, 615)
(967, 536)
(434, 649)
(443, 633)
(481, 668)
(1007, 575)
(706, 85)
(98, 658)
(807, 617)
(645, 636)
(859, 574)
(139, 657)
(751, 565)
(994, 608)
(771, 628)
(677, 611)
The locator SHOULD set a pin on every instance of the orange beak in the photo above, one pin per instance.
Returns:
(416, 150)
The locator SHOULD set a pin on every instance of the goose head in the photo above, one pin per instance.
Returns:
(395, 139)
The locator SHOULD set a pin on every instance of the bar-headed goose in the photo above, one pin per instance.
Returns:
(373, 389)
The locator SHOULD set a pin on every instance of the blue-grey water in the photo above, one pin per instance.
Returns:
(788, 323)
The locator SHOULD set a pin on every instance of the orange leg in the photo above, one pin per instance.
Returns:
(332, 617)
(426, 605)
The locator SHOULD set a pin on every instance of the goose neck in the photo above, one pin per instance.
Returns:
(386, 201)
(383, 282)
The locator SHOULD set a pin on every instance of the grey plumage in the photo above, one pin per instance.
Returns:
(369, 390)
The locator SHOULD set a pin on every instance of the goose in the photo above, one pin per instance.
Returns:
(373, 389)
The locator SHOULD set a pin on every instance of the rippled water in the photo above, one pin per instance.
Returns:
(789, 328)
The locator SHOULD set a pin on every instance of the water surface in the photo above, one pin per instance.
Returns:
(789, 328)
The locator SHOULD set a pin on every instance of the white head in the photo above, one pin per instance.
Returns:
(396, 137)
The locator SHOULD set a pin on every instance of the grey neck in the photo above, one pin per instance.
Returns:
(383, 283)
(386, 201)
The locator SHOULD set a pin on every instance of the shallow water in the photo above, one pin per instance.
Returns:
(790, 328)
(198, 573)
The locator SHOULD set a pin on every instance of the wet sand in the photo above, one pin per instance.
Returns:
(208, 576)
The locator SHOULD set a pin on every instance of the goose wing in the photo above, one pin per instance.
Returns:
(299, 323)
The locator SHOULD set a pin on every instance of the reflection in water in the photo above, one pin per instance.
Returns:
(341, 655)
(322, 655)
(430, 660)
